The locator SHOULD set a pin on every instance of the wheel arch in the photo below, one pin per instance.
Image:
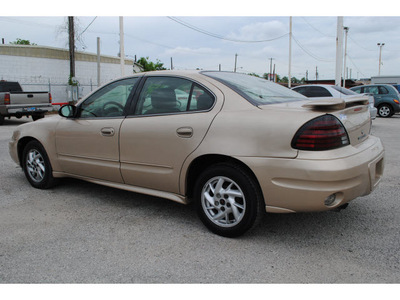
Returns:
(21, 146)
(386, 103)
(201, 163)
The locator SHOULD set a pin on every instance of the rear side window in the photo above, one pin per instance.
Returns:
(318, 91)
(372, 90)
(172, 95)
(383, 90)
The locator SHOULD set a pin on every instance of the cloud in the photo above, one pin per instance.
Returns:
(190, 51)
(260, 31)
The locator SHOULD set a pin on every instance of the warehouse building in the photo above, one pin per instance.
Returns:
(39, 68)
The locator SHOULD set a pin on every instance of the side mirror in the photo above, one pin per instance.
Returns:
(67, 111)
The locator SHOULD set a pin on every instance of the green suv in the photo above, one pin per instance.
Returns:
(387, 98)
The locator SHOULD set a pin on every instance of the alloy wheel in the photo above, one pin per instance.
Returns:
(35, 165)
(223, 201)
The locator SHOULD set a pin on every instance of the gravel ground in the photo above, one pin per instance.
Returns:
(79, 232)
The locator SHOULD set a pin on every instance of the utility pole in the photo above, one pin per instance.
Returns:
(380, 45)
(270, 69)
(98, 61)
(235, 62)
(273, 74)
(316, 73)
(339, 51)
(219, 67)
(121, 45)
(172, 66)
(71, 34)
(346, 31)
(290, 54)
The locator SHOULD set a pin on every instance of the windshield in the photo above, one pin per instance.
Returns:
(257, 91)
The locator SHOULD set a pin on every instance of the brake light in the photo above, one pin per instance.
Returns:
(322, 133)
(50, 98)
(6, 98)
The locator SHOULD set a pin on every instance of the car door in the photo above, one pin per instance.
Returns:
(170, 119)
(88, 145)
(374, 90)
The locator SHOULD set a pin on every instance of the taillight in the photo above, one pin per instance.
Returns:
(322, 133)
(6, 98)
(50, 98)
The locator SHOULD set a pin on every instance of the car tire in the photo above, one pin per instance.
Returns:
(1, 120)
(37, 167)
(385, 111)
(228, 200)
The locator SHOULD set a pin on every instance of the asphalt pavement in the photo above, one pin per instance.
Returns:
(79, 232)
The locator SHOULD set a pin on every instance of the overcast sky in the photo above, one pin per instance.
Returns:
(200, 38)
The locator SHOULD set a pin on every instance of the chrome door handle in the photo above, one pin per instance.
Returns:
(185, 132)
(107, 131)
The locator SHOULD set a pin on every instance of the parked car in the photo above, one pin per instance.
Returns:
(237, 146)
(324, 90)
(387, 98)
(16, 103)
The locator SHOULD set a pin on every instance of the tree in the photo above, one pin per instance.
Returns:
(149, 65)
(22, 42)
(254, 74)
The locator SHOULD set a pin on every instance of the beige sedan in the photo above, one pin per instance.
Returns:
(236, 145)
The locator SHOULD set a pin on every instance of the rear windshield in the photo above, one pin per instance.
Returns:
(343, 90)
(10, 87)
(257, 91)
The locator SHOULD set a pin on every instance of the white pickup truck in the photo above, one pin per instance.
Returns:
(16, 103)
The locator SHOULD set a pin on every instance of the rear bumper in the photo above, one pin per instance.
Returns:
(13, 110)
(302, 184)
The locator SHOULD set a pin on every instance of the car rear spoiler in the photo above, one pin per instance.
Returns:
(336, 103)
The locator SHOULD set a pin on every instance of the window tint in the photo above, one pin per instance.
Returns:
(109, 101)
(383, 90)
(343, 90)
(318, 91)
(302, 90)
(357, 90)
(164, 95)
(201, 99)
(257, 91)
(371, 89)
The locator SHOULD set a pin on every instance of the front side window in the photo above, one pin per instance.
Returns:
(109, 101)
(166, 95)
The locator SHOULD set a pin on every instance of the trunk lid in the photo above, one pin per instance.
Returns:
(352, 112)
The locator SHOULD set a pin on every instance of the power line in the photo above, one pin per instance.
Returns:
(88, 26)
(355, 65)
(309, 52)
(316, 29)
(219, 36)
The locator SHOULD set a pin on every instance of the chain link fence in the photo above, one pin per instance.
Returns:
(61, 92)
